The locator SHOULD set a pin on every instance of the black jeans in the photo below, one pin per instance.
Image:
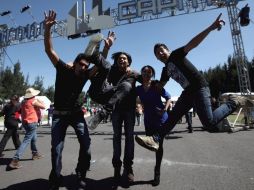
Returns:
(11, 132)
(58, 132)
(110, 95)
(126, 117)
(188, 117)
(201, 99)
(101, 91)
(159, 155)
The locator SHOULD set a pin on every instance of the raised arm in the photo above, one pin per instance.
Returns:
(108, 43)
(39, 104)
(49, 21)
(217, 24)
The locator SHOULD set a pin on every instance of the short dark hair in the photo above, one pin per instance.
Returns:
(159, 45)
(116, 55)
(79, 57)
(15, 97)
(150, 67)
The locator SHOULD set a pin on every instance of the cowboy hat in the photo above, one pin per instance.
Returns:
(31, 92)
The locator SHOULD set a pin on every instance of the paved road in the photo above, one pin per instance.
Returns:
(197, 161)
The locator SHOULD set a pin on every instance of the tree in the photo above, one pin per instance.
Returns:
(38, 84)
(225, 79)
(49, 92)
(12, 82)
(20, 85)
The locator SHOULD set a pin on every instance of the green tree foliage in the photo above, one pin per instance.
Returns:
(49, 92)
(12, 82)
(224, 78)
(38, 84)
(251, 73)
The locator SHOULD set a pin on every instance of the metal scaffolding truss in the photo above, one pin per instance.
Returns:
(187, 7)
(239, 53)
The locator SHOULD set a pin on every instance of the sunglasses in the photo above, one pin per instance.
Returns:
(83, 65)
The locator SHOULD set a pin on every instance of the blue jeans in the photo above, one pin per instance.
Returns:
(201, 99)
(30, 136)
(58, 133)
(128, 118)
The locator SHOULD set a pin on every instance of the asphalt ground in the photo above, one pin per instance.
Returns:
(192, 161)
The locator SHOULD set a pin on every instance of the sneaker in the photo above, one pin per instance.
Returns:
(15, 164)
(94, 122)
(147, 142)
(37, 156)
(239, 100)
(94, 44)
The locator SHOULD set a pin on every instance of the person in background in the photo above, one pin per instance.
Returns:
(50, 113)
(188, 117)
(11, 121)
(29, 107)
(139, 112)
(39, 115)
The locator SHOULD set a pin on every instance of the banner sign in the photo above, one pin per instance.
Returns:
(99, 20)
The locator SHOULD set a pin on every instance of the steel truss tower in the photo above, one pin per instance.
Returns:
(239, 53)
(2, 59)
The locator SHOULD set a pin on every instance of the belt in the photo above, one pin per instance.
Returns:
(57, 112)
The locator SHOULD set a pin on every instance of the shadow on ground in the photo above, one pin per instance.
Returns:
(70, 183)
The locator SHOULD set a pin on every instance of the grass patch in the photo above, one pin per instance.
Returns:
(240, 119)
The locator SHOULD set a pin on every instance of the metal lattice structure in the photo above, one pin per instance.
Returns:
(2, 59)
(239, 53)
(187, 8)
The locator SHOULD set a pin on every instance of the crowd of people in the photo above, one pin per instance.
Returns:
(114, 87)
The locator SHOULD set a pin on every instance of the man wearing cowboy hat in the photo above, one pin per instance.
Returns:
(29, 107)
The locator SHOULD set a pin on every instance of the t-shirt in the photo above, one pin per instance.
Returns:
(68, 87)
(179, 68)
(9, 111)
(151, 100)
(29, 112)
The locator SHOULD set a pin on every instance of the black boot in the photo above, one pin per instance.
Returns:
(117, 174)
(54, 181)
(81, 180)
(190, 130)
(156, 180)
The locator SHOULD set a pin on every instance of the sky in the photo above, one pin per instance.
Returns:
(137, 39)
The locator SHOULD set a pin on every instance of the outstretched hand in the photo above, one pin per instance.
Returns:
(49, 19)
(217, 24)
(110, 39)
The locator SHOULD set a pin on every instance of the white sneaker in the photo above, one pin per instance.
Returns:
(238, 99)
(147, 142)
(94, 44)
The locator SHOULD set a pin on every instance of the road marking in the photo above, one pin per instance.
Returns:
(166, 162)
